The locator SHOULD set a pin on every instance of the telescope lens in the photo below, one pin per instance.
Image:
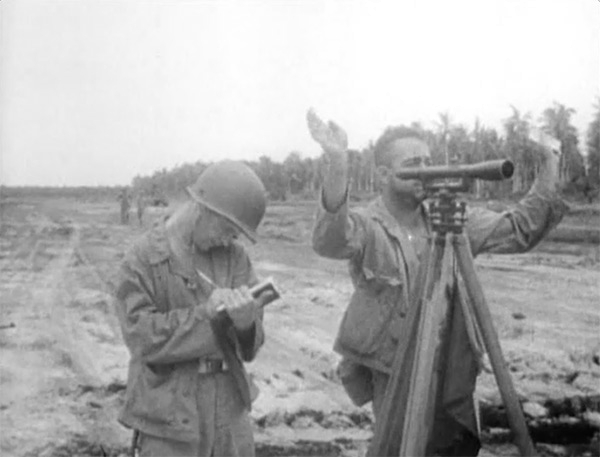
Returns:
(507, 169)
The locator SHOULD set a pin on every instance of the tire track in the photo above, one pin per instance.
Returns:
(56, 350)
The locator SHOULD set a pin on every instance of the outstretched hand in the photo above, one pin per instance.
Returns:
(330, 136)
(549, 170)
(334, 142)
(550, 144)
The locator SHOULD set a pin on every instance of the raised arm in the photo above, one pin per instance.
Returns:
(334, 142)
(338, 233)
(524, 226)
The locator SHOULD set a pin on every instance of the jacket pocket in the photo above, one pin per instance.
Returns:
(152, 395)
(157, 375)
(357, 381)
(184, 406)
(365, 322)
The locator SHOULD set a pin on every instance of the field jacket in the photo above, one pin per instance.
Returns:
(383, 266)
(167, 330)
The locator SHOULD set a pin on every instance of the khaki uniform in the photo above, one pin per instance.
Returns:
(177, 409)
(383, 265)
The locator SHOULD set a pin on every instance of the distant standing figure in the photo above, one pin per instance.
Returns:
(141, 206)
(125, 200)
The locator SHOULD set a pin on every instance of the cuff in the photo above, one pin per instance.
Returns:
(338, 207)
(246, 342)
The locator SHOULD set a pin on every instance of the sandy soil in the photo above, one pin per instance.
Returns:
(63, 364)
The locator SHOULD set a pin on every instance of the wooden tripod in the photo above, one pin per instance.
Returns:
(405, 422)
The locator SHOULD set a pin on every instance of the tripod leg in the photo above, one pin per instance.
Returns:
(492, 344)
(390, 420)
(420, 407)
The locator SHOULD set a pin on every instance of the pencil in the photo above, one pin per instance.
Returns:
(206, 278)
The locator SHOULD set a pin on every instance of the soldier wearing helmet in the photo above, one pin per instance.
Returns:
(183, 398)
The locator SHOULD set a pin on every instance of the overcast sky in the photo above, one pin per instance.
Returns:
(96, 92)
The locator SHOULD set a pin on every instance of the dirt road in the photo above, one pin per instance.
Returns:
(63, 365)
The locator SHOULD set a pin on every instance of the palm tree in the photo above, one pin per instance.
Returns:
(593, 149)
(519, 149)
(556, 120)
(444, 125)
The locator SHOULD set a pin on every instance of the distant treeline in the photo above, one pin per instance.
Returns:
(301, 177)
(79, 192)
(298, 177)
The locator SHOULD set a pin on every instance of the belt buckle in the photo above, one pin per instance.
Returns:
(211, 366)
(215, 366)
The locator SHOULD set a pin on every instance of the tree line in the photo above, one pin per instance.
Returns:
(301, 177)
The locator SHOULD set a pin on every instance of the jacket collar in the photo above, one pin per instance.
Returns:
(160, 251)
(378, 211)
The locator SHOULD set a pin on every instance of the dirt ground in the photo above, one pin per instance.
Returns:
(63, 363)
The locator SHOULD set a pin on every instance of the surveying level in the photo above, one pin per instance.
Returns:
(414, 391)
(492, 170)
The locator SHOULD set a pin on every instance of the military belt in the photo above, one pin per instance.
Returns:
(210, 366)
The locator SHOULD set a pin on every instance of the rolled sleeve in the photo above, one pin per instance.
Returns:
(157, 337)
(250, 341)
(519, 229)
(338, 234)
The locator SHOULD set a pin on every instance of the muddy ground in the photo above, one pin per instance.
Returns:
(63, 363)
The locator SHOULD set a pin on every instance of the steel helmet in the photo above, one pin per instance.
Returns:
(232, 190)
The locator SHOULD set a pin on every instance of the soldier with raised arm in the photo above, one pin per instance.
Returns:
(384, 244)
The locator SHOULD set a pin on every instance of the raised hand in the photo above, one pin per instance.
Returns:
(550, 144)
(548, 173)
(330, 136)
(334, 142)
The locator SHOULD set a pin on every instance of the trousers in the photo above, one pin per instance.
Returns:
(452, 438)
(225, 426)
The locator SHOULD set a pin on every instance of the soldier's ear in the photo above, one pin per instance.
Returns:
(197, 211)
(382, 173)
